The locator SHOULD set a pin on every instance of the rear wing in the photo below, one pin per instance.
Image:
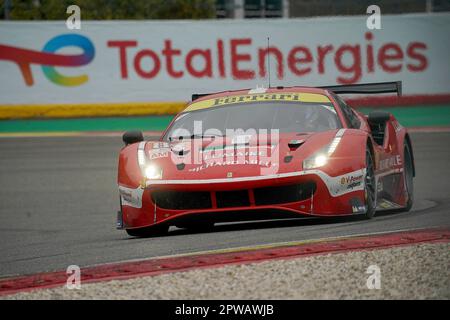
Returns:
(196, 96)
(363, 88)
(368, 88)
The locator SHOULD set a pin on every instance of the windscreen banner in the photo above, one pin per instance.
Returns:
(140, 61)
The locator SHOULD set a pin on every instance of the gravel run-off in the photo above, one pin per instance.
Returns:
(410, 272)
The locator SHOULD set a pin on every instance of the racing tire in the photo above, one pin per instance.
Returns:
(152, 231)
(408, 173)
(370, 194)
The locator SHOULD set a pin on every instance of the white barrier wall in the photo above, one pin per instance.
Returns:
(110, 61)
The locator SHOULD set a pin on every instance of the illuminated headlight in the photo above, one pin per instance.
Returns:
(320, 158)
(316, 161)
(149, 171)
(153, 172)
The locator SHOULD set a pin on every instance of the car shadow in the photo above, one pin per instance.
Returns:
(265, 224)
(269, 224)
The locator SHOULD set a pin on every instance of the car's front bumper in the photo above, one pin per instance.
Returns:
(311, 193)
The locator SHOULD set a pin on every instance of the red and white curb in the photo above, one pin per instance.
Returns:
(158, 266)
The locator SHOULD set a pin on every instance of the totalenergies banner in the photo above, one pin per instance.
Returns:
(123, 61)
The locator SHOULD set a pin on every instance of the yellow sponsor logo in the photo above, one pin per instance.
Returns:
(248, 98)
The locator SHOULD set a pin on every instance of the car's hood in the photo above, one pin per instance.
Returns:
(240, 156)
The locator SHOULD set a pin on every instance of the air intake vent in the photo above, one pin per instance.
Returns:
(228, 199)
(284, 194)
(180, 200)
(294, 144)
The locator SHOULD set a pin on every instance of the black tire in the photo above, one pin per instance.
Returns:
(153, 231)
(370, 189)
(409, 177)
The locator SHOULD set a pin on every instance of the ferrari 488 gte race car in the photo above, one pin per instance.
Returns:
(266, 153)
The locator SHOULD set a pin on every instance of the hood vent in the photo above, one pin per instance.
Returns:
(295, 144)
(180, 152)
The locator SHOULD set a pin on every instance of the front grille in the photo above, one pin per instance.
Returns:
(192, 200)
(284, 194)
(182, 200)
(228, 199)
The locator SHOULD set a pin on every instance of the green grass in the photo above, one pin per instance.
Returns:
(150, 123)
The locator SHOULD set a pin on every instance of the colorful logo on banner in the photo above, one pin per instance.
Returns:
(49, 59)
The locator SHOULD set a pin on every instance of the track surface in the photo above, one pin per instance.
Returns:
(58, 202)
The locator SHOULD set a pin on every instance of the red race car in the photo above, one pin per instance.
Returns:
(266, 153)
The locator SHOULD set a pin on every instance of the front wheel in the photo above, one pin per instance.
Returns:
(370, 187)
(409, 175)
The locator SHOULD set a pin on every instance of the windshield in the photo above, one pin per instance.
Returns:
(284, 116)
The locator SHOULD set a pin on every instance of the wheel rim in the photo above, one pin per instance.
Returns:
(370, 180)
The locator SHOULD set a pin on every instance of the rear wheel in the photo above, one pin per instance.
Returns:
(370, 186)
(153, 231)
(409, 175)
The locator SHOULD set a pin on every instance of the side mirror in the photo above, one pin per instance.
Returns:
(130, 137)
(379, 117)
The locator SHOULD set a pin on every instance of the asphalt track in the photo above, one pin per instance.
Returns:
(58, 203)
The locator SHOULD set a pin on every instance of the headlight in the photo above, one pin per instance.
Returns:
(321, 157)
(149, 171)
(153, 172)
(316, 161)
